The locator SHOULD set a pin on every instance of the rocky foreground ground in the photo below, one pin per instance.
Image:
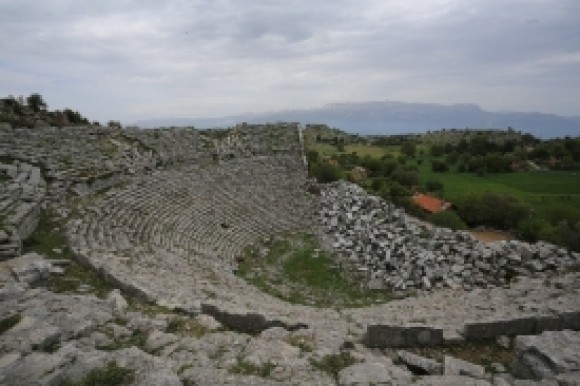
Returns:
(161, 231)
(54, 338)
(48, 338)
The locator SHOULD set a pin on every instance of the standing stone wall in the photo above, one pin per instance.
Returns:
(22, 190)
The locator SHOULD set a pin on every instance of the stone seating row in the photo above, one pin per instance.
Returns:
(174, 236)
(209, 216)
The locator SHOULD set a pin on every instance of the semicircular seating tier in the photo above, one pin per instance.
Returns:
(173, 236)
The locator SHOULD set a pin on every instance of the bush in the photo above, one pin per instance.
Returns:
(325, 172)
(433, 186)
(493, 209)
(407, 178)
(447, 219)
(531, 229)
(439, 166)
(312, 156)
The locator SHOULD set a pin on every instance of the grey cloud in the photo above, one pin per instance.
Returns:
(223, 57)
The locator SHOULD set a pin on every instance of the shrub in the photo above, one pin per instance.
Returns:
(407, 178)
(493, 209)
(433, 186)
(447, 219)
(439, 166)
(531, 229)
(312, 156)
(325, 172)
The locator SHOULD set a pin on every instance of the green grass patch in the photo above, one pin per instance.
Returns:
(541, 190)
(48, 238)
(244, 367)
(110, 375)
(304, 343)
(294, 269)
(333, 363)
(483, 353)
(137, 339)
(9, 322)
(447, 219)
(368, 150)
(326, 150)
(186, 326)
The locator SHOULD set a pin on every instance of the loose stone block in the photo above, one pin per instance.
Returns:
(381, 336)
(454, 366)
(548, 323)
(492, 329)
(548, 355)
(570, 320)
(420, 365)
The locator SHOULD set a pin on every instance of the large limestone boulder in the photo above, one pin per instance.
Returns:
(551, 355)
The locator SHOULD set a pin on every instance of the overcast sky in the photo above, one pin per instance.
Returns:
(136, 59)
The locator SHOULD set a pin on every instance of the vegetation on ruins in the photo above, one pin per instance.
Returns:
(484, 353)
(247, 368)
(33, 110)
(293, 268)
(502, 179)
(36, 102)
(110, 375)
(49, 240)
(8, 322)
(334, 363)
(447, 219)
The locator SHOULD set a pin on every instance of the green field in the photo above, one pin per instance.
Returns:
(548, 201)
(542, 190)
(328, 150)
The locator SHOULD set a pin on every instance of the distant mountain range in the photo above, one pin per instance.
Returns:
(389, 117)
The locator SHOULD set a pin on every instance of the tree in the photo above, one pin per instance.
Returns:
(437, 150)
(409, 149)
(439, 166)
(36, 102)
(493, 209)
(115, 124)
(404, 177)
(74, 117)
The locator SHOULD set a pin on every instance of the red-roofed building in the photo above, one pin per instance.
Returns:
(431, 204)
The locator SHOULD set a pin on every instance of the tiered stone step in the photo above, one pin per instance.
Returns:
(187, 226)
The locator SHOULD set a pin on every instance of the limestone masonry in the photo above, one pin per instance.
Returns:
(164, 216)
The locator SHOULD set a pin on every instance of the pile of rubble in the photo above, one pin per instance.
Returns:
(396, 251)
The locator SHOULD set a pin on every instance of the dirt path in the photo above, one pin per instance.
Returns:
(491, 235)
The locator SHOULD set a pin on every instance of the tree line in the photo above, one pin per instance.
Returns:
(25, 111)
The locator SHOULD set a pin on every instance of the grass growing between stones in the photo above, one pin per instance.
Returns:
(333, 363)
(187, 326)
(293, 268)
(244, 367)
(483, 353)
(9, 322)
(110, 375)
(49, 240)
(136, 339)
